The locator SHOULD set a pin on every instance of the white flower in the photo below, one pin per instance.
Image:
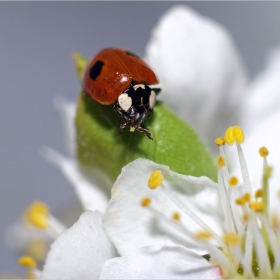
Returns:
(242, 241)
(200, 72)
(85, 250)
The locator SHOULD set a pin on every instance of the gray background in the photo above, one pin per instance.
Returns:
(36, 42)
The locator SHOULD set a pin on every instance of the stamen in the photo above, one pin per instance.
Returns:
(257, 206)
(176, 216)
(146, 201)
(202, 235)
(261, 251)
(245, 217)
(238, 134)
(265, 187)
(231, 239)
(225, 201)
(193, 216)
(220, 141)
(233, 181)
(244, 169)
(272, 240)
(263, 151)
(258, 194)
(155, 179)
(27, 261)
(229, 136)
(247, 197)
(240, 201)
(221, 161)
(37, 214)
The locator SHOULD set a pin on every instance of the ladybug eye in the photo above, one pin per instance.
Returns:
(125, 101)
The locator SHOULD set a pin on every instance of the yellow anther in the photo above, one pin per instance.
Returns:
(263, 151)
(243, 199)
(229, 136)
(238, 134)
(240, 201)
(155, 179)
(176, 216)
(247, 197)
(146, 201)
(258, 194)
(37, 214)
(245, 217)
(221, 161)
(234, 133)
(27, 261)
(220, 141)
(202, 235)
(257, 206)
(231, 239)
(233, 181)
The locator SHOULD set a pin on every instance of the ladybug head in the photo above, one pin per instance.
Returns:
(135, 105)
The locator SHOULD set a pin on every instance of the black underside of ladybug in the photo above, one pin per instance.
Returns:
(138, 100)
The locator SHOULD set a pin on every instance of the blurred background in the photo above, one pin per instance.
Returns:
(36, 42)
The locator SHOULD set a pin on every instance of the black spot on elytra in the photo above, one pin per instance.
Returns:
(95, 70)
(132, 54)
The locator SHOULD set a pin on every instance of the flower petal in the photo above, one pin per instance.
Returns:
(89, 191)
(80, 251)
(66, 111)
(262, 98)
(131, 226)
(160, 262)
(200, 71)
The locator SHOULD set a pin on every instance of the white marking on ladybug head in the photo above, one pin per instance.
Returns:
(125, 101)
(138, 86)
(152, 99)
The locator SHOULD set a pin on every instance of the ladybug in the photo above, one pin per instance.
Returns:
(120, 77)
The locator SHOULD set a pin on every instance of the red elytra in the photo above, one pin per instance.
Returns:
(111, 71)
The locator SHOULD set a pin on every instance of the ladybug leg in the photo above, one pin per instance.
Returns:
(118, 110)
(148, 133)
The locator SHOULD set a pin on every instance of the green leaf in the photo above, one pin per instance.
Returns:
(102, 146)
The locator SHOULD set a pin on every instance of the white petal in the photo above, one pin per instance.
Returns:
(130, 226)
(93, 192)
(262, 98)
(66, 111)
(80, 251)
(160, 262)
(200, 71)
